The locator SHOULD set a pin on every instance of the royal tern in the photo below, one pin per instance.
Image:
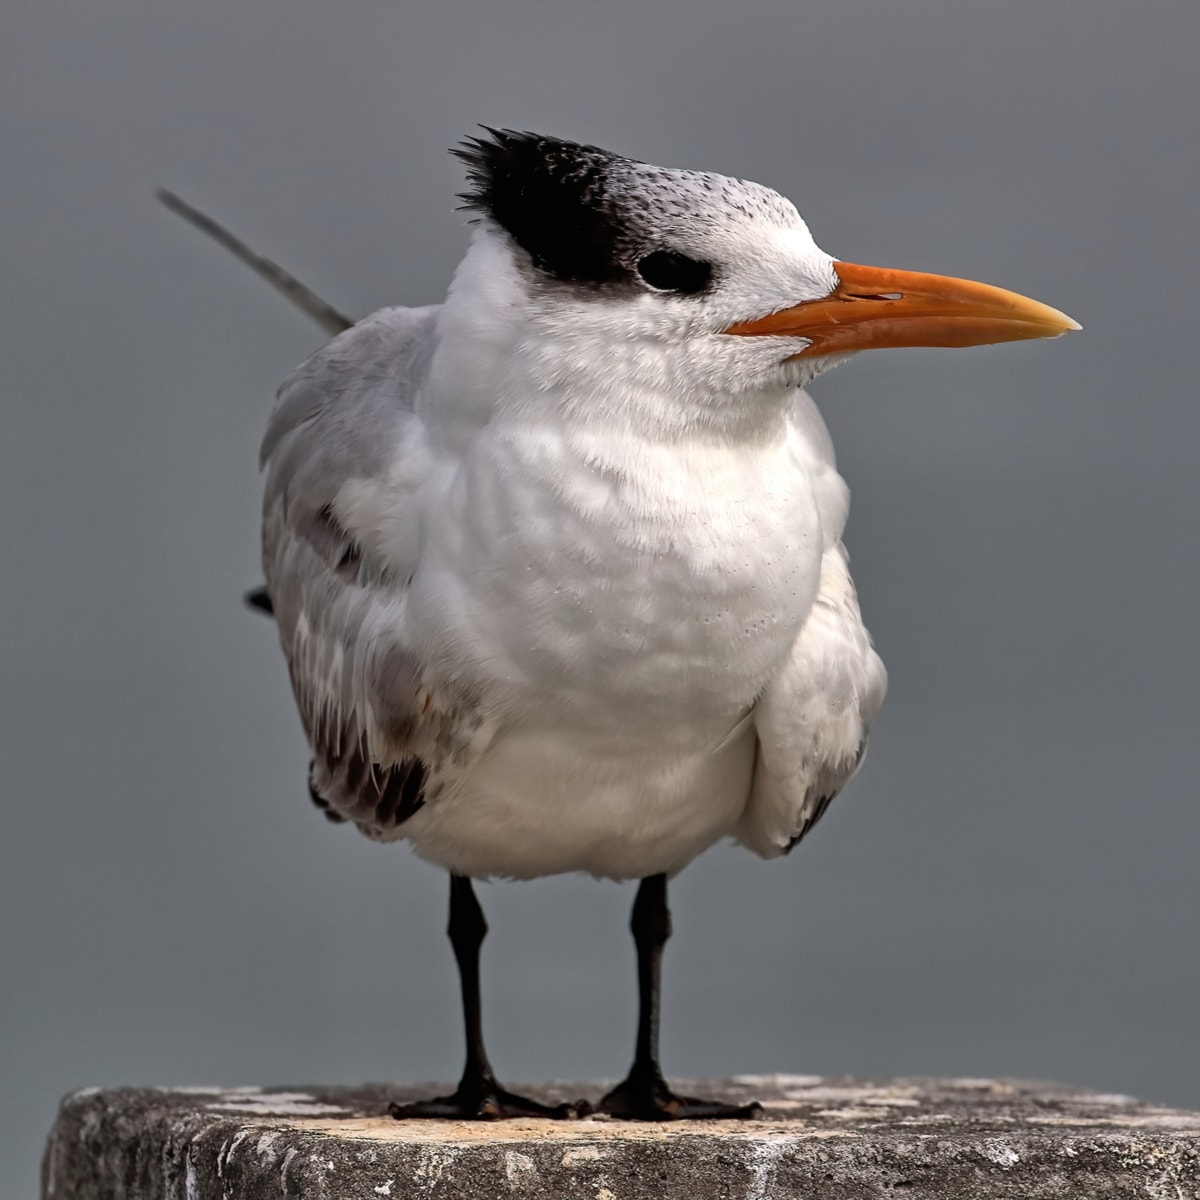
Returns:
(557, 564)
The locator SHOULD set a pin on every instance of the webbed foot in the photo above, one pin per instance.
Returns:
(484, 1100)
(645, 1096)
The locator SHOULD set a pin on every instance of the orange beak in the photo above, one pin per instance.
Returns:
(874, 307)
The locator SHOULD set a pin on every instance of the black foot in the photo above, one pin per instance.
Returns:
(487, 1101)
(648, 1098)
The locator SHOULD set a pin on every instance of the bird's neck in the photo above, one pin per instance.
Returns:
(502, 356)
(477, 380)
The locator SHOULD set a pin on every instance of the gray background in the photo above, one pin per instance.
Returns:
(1010, 886)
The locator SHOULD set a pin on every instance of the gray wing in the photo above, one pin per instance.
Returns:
(341, 539)
(813, 721)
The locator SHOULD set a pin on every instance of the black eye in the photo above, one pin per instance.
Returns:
(674, 272)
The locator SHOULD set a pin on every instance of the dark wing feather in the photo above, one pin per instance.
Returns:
(381, 732)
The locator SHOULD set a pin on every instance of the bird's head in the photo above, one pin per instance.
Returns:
(683, 297)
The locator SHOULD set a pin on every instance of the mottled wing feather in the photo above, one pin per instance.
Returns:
(820, 794)
(380, 734)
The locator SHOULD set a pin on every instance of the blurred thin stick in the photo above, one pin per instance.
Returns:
(304, 298)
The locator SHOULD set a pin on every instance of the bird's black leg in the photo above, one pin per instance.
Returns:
(478, 1096)
(644, 1094)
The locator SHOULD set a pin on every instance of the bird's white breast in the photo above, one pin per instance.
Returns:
(620, 619)
(679, 578)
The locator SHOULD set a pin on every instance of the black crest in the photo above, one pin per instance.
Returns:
(553, 197)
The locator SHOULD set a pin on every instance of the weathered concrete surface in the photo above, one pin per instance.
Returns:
(830, 1138)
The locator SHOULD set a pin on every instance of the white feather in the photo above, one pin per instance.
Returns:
(579, 556)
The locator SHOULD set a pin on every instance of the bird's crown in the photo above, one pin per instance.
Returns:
(552, 197)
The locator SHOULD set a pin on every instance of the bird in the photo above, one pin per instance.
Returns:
(557, 564)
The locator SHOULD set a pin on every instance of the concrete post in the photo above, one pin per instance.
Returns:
(966, 1139)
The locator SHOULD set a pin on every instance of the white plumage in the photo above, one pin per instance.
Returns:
(580, 555)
